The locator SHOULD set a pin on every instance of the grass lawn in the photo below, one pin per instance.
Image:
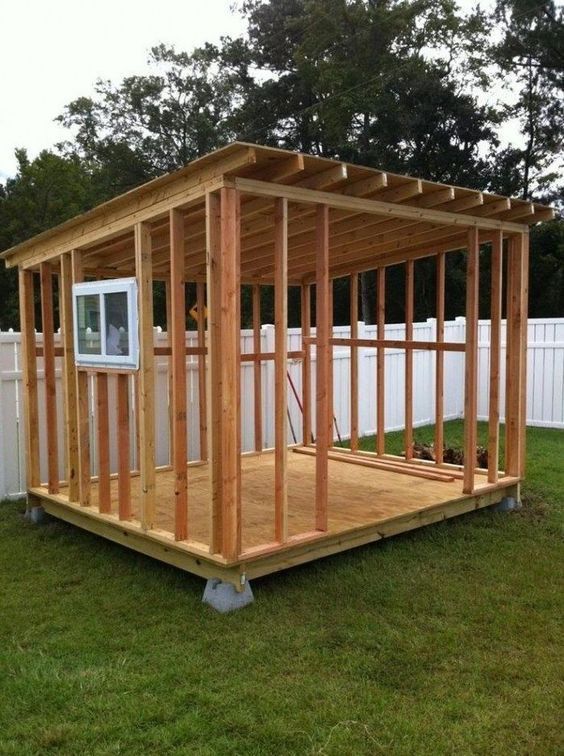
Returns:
(443, 640)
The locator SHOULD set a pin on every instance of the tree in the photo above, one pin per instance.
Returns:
(531, 55)
(44, 192)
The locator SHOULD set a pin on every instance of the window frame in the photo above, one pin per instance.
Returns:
(100, 288)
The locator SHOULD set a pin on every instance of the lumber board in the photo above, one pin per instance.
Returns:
(495, 355)
(69, 377)
(48, 327)
(179, 402)
(29, 375)
(146, 374)
(281, 371)
(471, 361)
(323, 417)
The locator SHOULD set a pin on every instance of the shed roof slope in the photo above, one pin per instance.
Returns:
(269, 164)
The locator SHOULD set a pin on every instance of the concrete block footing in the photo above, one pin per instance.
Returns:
(36, 515)
(507, 504)
(223, 597)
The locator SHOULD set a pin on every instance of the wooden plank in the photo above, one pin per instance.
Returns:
(323, 417)
(305, 306)
(146, 373)
(331, 422)
(179, 405)
(168, 303)
(103, 428)
(409, 287)
(380, 361)
(340, 201)
(354, 360)
(46, 278)
(124, 475)
(495, 356)
(280, 370)
(213, 257)
(69, 377)
(523, 355)
(439, 358)
(82, 407)
(445, 346)
(516, 326)
(112, 218)
(471, 361)
(223, 275)
(257, 369)
(202, 381)
(29, 375)
(402, 469)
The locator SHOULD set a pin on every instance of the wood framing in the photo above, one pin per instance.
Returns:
(235, 223)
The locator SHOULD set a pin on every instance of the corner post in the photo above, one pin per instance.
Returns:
(281, 369)
(223, 277)
(146, 409)
(69, 379)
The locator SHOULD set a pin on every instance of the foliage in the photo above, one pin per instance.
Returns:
(444, 640)
(398, 84)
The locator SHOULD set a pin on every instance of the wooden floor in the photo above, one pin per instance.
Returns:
(358, 496)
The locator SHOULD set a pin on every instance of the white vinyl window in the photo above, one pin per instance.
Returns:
(106, 323)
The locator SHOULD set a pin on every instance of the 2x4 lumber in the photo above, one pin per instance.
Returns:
(515, 368)
(202, 381)
(432, 199)
(380, 360)
(124, 475)
(146, 376)
(401, 468)
(409, 296)
(331, 177)
(439, 358)
(257, 369)
(168, 301)
(368, 185)
(523, 354)
(471, 361)
(495, 356)
(465, 203)
(281, 371)
(103, 429)
(69, 377)
(283, 169)
(179, 404)
(445, 346)
(46, 277)
(323, 418)
(29, 365)
(412, 188)
(305, 306)
(223, 270)
(213, 256)
(377, 207)
(116, 216)
(354, 360)
(82, 407)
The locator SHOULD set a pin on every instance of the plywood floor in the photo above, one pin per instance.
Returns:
(357, 496)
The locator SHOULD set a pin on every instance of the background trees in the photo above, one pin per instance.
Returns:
(404, 85)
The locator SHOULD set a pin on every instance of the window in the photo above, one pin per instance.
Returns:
(106, 323)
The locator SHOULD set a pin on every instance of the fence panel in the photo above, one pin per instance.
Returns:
(545, 390)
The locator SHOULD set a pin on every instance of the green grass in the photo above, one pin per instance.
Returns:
(445, 640)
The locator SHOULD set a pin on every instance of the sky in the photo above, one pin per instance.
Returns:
(53, 51)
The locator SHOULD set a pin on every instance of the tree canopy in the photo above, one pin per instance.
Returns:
(404, 85)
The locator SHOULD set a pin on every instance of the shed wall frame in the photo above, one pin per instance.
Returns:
(255, 217)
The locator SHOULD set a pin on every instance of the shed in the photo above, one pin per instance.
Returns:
(253, 216)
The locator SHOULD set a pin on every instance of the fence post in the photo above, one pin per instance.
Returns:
(460, 321)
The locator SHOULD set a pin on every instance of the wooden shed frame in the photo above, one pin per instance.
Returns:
(250, 215)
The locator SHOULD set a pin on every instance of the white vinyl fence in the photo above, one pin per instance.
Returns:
(545, 390)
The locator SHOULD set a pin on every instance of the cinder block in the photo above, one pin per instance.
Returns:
(224, 598)
(507, 504)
